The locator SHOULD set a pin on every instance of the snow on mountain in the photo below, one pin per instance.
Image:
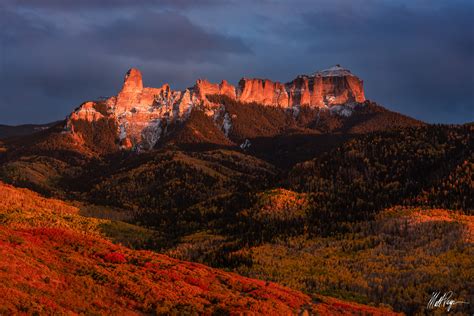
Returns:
(335, 71)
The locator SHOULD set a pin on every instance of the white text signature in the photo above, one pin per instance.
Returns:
(443, 301)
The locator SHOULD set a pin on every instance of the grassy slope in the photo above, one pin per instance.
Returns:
(55, 261)
(398, 259)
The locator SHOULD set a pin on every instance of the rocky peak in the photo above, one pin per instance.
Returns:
(133, 81)
(325, 88)
(227, 89)
(142, 114)
(131, 90)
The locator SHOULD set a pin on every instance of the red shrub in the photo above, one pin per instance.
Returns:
(197, 282)
(115, 257)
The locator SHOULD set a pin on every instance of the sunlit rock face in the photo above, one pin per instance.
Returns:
(131, 91)
(86, 112)
(334, 86)
(204, 87)
(263, 92)
(143, 114)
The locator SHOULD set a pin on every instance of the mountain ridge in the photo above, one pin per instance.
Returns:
(142, 113)
(142, 116)
(7, 131)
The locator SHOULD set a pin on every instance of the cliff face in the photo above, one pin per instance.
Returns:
(204, 87)
(334, 86)
(263, 91)
(142, 114)
(139, 112)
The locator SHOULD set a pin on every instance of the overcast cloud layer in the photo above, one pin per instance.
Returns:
(415, 57)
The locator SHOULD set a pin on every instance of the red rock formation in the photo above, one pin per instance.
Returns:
(126, 143)
(227, 89)
(203, 88)
(357, 88)
(132, 88)
(329, 87)
(139, 112)
(87, 112)
(262, 91)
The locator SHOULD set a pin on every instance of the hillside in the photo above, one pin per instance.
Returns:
(55, 261)
(398, 259)
(179, 190)
(285, 138)
(7, 131)
(365, 175)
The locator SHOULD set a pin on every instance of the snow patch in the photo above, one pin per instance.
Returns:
(226, 124)
(151, 134)
(334, 71)
(343, 110)
(296, 110)
(122, 132)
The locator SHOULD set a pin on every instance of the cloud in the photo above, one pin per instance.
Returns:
(415, 57)
(165, 36)
(111, 4)
(48, 68)
(417, 60)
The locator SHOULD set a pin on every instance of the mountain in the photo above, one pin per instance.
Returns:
(287, 182)
(282, 124)
(171, 152)
(141, 118)
(21, 130)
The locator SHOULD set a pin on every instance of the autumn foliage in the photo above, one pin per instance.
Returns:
(55, 262)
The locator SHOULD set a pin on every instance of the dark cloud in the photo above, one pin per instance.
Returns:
(418, 61)
(49, 66)
(164, 35)
(111, 4)
(416, 57)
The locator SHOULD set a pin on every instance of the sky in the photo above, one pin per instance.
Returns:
(415, 57)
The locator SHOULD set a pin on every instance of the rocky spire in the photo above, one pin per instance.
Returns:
(133, 81)
(131, 90)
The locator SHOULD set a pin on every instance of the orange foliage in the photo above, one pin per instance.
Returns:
(62, 269)
(280, 202)
(415, 216)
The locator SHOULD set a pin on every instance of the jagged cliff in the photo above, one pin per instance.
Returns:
(334, 86)
(142, 114)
